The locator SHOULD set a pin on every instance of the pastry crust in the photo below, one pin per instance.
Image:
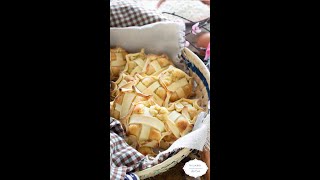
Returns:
(146, 125)
(189, 108)
(156, 64)
(177, 82)
(149, 98)
(150, 85)
(135, 63)
(181, 118)
(117, 62)
(123, 79)
(123, 104)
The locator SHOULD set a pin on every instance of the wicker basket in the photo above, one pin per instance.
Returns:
(201, 76)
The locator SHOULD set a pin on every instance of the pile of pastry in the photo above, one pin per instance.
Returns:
(150, 98)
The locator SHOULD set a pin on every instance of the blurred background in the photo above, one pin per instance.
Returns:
(190, 12)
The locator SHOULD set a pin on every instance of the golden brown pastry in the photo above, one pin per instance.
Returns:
(146, 125)
(188, 108)
(135, 63)
(155, 64)
(181, 118)
(122, 80)
(168, 139)
(150, 85)
(117, 62)
(123, 103)
(150, 100)
(177, 82)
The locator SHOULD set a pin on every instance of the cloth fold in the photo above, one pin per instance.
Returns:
(125, 159)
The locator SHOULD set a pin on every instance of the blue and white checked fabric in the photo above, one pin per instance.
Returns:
(131, 176)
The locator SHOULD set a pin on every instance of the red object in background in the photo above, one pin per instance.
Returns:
(160, 2)
(206, 2)
(202, 42)
(207, 53)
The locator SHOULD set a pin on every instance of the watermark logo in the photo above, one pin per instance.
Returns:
(195, 168)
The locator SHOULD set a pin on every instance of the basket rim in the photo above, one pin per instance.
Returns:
(149, 172)
(198, 66)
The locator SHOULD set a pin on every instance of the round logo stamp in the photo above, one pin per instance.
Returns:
(195, 168)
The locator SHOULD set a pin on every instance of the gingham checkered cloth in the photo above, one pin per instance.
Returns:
(126, 13)
(125, 159)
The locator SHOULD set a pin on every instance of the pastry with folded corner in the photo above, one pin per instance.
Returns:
(123, 79)
(123, 103)
(181, 118)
